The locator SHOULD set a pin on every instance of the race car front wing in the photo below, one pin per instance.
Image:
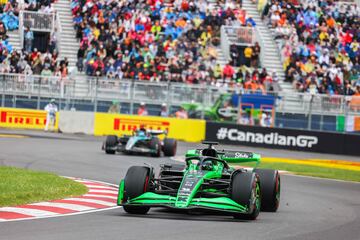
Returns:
(223, 204)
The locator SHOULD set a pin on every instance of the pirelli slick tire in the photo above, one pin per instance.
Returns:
(245, 190)
(170, 146)
(136, 182)
(110, 142)
(270, 189)
(155, 144)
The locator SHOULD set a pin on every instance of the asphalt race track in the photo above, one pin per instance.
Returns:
(310, 208)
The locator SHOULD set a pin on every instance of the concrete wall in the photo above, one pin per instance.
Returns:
(76, 122)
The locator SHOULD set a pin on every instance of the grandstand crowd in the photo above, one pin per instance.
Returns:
(319, 44)
(156, 41)
(29, 60)
(177, 41)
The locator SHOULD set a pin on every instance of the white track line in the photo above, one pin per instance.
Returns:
(101, 187)
(64, 215)
(319, 178)
(69, 206)
(26, 211)
(109, 204)
(95, 190)
(96, 195)
(95, 181)
(103, 191)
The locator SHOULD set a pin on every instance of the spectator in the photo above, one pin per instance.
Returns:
(266, 119)
(142, 111)
(228, 71)
(248, 53)
(29, 37)
(51, 110)
(115, 107)
(164, 112)
(255, 56)
(181, 113)
(245, 118)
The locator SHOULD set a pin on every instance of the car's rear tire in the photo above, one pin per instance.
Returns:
(111, 141)
(245, 190)
(170, 146)
(156, 145)
(270, 189)
(136, 182)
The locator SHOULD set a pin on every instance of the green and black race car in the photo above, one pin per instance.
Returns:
(206, 182)
(142, 141)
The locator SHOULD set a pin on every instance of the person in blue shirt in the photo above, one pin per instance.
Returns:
(29, 37)
(250, 21)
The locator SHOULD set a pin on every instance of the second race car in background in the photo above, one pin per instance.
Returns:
(142, 142)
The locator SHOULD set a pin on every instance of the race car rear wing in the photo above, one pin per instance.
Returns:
(238, 156)
(157, 132)
(226, 155)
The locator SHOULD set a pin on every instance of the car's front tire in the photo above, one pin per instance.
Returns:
(270, 189)
(136, 182)
(245, 190)
(110, 142)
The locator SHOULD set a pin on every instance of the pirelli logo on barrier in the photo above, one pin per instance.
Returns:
(126, 124)
(118, 124)
(22, 118)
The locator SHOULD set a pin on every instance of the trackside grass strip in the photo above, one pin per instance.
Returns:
(20, 186)
(314, 171)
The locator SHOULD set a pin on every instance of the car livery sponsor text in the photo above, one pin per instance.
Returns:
(127, 124)
(23, 118)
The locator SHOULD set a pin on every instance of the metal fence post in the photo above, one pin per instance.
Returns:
(39, 90)
(3, 90)
(239, 108)
(96, 93)
(132, 89)
(168, 101)
(310, 112)
(321, 121)
(346, 112)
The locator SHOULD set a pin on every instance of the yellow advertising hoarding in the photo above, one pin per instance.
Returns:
(190, 130)
(24, 118)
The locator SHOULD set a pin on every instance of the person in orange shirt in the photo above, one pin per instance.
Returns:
(180, 23)
(142, 111)
(355, 100)
(181, 113)
(330, 22)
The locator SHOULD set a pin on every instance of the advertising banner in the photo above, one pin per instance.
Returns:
(190, 130)
(280, 138)
(24, 118)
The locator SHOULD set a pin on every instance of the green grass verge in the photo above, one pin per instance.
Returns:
(20, 186)
(313, 171)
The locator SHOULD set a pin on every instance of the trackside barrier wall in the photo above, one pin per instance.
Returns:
(281, 138)
(190, 130)
(24, 118)
(76, 122)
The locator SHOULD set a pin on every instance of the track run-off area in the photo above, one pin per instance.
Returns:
(310, 208)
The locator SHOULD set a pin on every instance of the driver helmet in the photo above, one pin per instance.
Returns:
(141, 133)
(207, 166)
(142, 130)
